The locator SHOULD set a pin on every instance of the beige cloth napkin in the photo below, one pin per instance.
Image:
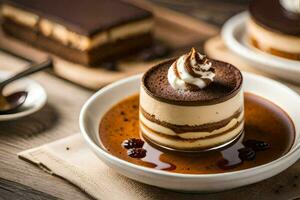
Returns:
(71, 159)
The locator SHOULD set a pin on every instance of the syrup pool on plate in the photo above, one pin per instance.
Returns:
(269, 133)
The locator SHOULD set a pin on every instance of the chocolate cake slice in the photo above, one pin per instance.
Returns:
(274, 27)
(85, 32)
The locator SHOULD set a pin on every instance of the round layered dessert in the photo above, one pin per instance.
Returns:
(191, 103)
(274, 27)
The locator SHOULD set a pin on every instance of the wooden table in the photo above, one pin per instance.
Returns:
(59, 118)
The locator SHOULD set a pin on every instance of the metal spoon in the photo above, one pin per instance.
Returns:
(10, 103)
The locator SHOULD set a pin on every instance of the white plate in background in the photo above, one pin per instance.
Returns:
(234, 34)
(35, 100)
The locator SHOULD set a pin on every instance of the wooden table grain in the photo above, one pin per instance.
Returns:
(59, 118)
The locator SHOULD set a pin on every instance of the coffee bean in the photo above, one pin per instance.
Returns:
(137, 153)
(246, 154)
(257, 145)
(133, 143)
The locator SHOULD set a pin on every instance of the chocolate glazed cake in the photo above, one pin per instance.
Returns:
(191, 103)
(85, 32)
(274, 27)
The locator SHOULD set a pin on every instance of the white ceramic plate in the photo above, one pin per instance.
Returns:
(35, 100)
(234, 34)
(103, 100)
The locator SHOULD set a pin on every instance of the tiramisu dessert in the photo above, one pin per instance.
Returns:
(274, 27)
(192, 103)
(86, 32)
(187, 109)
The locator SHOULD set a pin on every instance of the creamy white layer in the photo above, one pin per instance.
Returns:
(178, 76)
(182, 144)
(268, 39)
(65, 36)
(190, 115)
(191, 135)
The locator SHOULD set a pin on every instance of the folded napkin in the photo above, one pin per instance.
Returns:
(72, 160)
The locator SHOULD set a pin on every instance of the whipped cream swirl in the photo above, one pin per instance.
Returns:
(191, 71)
(291, 5)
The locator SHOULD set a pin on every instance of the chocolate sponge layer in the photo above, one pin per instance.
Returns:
(117, 49)
(226, 84)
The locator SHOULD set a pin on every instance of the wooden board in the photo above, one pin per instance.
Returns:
(174, 29)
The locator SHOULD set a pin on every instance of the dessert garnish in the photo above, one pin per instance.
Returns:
(291, 5)
(257, 145)
(246, 153)
(134, 146)
(191, 71)
(251, 146)
(137, 152)
(133, 143)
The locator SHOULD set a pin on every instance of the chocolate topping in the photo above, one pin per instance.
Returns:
(226, 84)
(271, 15)
(86, 17)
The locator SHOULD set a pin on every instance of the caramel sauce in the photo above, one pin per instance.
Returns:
(264, 121)
(3, 103)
